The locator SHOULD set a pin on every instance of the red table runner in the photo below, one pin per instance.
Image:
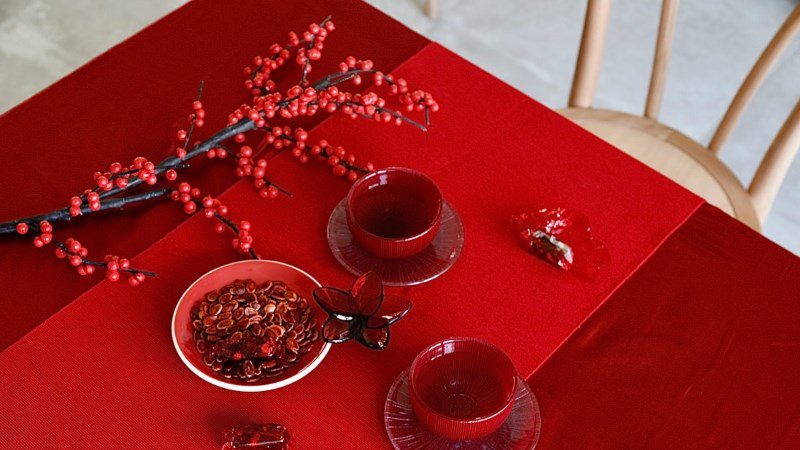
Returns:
(102, 372)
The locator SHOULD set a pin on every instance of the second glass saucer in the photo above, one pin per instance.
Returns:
(416, 269)
(519, 432)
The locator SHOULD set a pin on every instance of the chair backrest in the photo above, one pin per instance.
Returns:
(773, 167)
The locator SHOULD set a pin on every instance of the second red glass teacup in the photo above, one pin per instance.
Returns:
(394, 212)
(462, 388)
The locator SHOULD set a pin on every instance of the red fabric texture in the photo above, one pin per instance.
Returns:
(103, 370)
(130, 101)
(698, 349)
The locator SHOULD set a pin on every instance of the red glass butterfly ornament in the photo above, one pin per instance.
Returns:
(363, 312)
(563, 238)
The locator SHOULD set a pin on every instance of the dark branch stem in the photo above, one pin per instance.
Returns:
(63, 214)
(173, 162)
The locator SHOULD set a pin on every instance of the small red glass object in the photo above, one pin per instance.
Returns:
(462, 388)
(394, 212)
(563, 238)
(363, 312)
(270, 436)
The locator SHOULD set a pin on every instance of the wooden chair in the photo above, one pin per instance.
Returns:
(432, 8)
(666, 150)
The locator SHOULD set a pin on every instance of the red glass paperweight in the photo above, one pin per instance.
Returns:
(270, 436)
(563, 238)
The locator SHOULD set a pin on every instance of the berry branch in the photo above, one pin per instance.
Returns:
(264, 117)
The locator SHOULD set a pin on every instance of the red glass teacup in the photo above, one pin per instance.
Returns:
(394, 212)
(462, 388)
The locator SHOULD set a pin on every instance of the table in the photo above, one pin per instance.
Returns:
(684, 339)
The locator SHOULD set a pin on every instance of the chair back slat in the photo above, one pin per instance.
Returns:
(590, 54)
(658, 77)
(772, 170)
(755, 78)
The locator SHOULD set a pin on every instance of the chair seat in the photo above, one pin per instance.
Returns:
(673, 154)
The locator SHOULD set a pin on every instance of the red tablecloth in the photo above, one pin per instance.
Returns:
(102, 370)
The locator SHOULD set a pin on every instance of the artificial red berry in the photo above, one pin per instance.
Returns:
(22, 228)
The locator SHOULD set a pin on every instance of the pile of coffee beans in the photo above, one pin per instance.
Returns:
(249, 332)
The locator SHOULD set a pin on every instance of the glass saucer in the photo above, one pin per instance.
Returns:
(520, 431)
(424, 266)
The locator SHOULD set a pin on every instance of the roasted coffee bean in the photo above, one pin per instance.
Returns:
(225, 324)
(276, 330)
(238, 314)
(215, 309)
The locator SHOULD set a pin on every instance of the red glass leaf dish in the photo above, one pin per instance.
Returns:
(269, 436)
(367, 293)
(335, 302)
(393, 308)
(563, 238)
(374, 338)
(336, 331)
(364, 312)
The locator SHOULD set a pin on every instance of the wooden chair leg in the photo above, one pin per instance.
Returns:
(772, 170)
(590, 54)
(432, 8)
